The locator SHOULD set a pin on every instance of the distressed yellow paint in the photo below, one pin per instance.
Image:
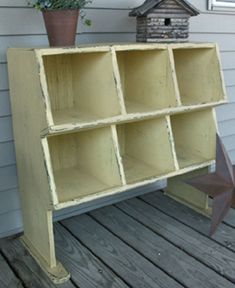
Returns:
(98, 120)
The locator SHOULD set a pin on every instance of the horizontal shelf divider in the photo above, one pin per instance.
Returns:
(73, 127)
(122, 189)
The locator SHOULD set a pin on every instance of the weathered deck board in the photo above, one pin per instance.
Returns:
(225, 235)
(165, 255)
(205, 250)
(148, 242)
(125, 261)
(7, 277)
(86, 270)
(25, 266)
(230, 218)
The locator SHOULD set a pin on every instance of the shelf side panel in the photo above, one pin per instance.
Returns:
(29, 120)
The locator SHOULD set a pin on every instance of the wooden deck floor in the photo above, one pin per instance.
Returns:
(149, 242)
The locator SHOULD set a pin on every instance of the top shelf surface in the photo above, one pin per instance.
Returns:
(87, 86)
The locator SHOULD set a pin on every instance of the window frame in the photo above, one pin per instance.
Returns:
(220, 5)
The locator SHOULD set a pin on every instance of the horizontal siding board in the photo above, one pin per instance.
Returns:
(226, 112)
(226, 41)
(7, 154)
(232, 156)
(10, 223)
(212, 23)
(3, 77)
(9, 201)
(229, 142)
(8, 178)
(120, 4)
(6, 129)
(228, 60)
(227, 128)
(5, 108)
(30, 21)
(231, 94)
(229, 77)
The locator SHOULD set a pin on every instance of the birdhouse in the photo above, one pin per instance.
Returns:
(163, 20)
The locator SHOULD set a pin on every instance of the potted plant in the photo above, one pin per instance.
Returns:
(61, 18)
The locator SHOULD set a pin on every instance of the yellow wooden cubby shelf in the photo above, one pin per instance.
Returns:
(95, 121)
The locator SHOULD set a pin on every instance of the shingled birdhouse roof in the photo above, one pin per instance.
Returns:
(143, 9)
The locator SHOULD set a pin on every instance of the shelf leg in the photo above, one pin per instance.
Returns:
(188, 195)
(38, 239)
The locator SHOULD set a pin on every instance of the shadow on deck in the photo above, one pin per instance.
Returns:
(151, 242)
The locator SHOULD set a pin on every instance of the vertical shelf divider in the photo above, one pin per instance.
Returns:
(118, 154)
(172, 142)
(174, 76)
(116, 74)
(221, 74)
(50, 173)
(45, 93)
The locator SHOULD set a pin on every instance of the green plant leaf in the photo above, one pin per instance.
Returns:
(58, 4)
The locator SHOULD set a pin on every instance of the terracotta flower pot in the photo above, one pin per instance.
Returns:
(61, 26)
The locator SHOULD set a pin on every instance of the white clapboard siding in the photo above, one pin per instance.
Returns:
(5, 109)
(226, 112)
(120, 4)
(8, 176)
(225, 41)
(112, 21)
(231, 94)
(229, 142)
(9, 201)
(7, 154)
(11, 223)
(6, 130)
(117, 4)
(21, 26)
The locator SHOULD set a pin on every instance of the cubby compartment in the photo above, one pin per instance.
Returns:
(145, 149)
(195, 137)
(81, 87)
(146, 79)
(199, 76)
(83, 163)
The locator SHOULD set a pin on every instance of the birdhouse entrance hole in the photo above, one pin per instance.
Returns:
(167, 21)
